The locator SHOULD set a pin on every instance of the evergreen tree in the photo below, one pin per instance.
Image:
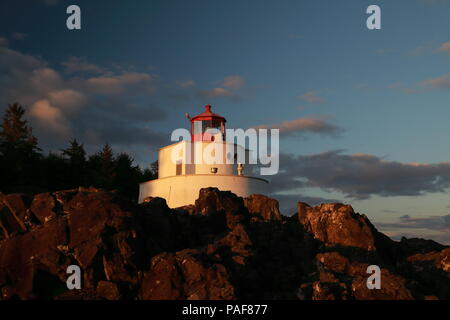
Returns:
(102, 168)
(127, 177)
(15, 129)
(19, 153)
(75, 155)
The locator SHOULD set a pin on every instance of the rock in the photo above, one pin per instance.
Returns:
(108, 290)
(14, 214)
(43, 207)
(392, 286)
(223, 203)
(223, 247)
(440, 259)
(267, 208)
(186, 275)
(333, 261)
(336, 224)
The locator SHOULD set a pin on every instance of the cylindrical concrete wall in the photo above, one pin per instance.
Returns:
(184, 189)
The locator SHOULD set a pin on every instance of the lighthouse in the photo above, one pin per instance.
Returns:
(183, 168)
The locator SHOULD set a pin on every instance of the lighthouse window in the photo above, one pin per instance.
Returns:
(215, 123)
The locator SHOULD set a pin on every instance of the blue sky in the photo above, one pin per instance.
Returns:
(133, 70)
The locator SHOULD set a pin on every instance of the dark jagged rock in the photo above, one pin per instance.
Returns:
(188, 274)
(222, 247)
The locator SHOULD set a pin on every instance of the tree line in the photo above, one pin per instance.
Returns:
(25, 169)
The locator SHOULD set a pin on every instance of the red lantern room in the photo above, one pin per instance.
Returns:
(204, 121)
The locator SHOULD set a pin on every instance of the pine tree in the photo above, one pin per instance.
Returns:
(75, 157)
(75, 153)
(15, 130)
(127, 176)
(19, 153)
(102, 164)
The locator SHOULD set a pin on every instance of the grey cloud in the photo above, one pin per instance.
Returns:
(360, 176)
(311, 97)
(430, 222)
(80, 64)
(4, 42)
(302, 126)
(406, 226)
(219, 92)
(19, 35)
(88, 108)
(442, 82)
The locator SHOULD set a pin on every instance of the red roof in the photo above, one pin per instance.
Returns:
(208, 115)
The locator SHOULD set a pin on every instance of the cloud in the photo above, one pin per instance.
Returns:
(185, 83)
(360, 176)
(301, 126)
(79, 64)
(438, 227)
(19, 35)
(219, 92)
(442, 82)
(61, 106)
(425, 49)
(119, 83)
(406, 90)
(229, 88)
(430, 222)
(67, 99)
(234, 82)
(445, 47)
(4, 42)
(51, 117)
(311, 97)
(382, 52)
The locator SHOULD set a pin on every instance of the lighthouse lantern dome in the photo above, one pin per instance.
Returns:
(204, 121)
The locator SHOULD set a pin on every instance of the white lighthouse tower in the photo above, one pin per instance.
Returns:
(180, 180)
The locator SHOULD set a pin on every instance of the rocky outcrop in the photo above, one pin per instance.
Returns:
(336, 224)
(440, 259)
(222, 247)
(338, 278)
(263, 207)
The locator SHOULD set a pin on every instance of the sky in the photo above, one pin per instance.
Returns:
(364, 114)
